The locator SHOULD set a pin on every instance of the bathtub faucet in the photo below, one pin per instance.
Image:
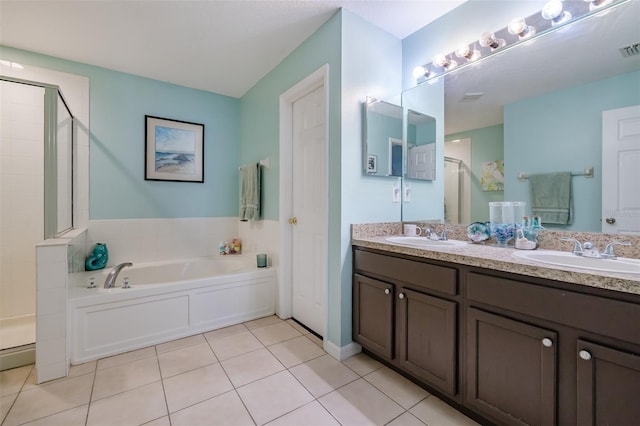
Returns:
(113, 274)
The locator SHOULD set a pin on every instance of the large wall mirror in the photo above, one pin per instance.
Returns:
(536, 108)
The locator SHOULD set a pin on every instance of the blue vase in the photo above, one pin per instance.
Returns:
(98, 258)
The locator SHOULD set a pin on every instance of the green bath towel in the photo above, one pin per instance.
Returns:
(551, 197)
(250, 192)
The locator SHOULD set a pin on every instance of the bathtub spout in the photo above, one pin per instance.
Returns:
(113, 274)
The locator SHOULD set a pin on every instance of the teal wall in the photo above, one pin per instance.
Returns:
(118, 104)
(487, 144)
(371, 66)
(562, 131)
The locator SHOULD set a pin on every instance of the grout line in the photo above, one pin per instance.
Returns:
(164, 392)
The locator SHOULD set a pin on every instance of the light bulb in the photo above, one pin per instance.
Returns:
(442, 61)
(489, 39)
(597, 4)
(466, 52)
(553, 12)
(420, 72)
(519, 27)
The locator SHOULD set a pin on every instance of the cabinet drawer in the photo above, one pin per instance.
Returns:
(433, 277)
(608, 317)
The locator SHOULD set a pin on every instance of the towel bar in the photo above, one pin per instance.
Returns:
(587, 173)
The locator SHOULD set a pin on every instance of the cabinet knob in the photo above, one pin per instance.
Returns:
(610, 220)
(401, 296)
(547, 343)
(585, 355)
(387, 291)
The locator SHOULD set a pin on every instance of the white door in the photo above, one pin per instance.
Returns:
(621, 170)
(309, 235)
(421, 162)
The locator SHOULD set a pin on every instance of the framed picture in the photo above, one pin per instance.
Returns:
(174, 150)
(493, 176)
(372, 163)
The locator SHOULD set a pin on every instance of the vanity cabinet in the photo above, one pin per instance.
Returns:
(373, 315)
(511, 369)
(608, 384)
(427, 334)
(406, 313)
(512, 349)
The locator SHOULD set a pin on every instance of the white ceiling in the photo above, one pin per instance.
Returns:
(223, 46)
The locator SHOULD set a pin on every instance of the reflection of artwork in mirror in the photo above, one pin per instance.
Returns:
(493, 175)
(372, 163)
(383, 125)
(421, 146)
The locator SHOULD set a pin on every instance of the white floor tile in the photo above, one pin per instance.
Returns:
(226, 409)
(359, 403)
(273, 396)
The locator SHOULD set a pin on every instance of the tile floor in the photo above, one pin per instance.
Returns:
(266, 371)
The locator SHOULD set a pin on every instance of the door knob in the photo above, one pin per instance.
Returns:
(610, 220)
(293, 220)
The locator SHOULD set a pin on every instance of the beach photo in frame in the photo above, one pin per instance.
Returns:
(174, 150)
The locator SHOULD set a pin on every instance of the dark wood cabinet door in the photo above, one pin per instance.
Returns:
(511, 370)
(373, 315)
(426, 328)
(608, 386)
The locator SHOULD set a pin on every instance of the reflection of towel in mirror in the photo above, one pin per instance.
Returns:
(551, 197)
(250, 192)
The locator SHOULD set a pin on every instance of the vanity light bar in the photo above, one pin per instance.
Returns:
(554, 15)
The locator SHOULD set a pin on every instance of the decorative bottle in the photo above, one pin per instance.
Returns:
(98, 258)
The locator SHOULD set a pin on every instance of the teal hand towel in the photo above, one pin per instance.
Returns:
(250, 192)
(551, 197)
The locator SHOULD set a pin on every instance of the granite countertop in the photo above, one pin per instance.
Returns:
(501, 259)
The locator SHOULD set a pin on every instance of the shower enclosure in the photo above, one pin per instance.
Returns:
(36, 201)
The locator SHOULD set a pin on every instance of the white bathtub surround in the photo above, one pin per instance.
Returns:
(166, 301)
(153, 240)
(55, 259)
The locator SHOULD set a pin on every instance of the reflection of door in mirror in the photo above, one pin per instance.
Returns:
(457, 181)
(395, 157)
(421, 162)
(421, 147)
(621, 170)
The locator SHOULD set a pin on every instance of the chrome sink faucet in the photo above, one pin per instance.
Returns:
(434, 236)
(113, 274)
(589, 250)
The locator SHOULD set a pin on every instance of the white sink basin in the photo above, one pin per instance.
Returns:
(425, 242)
(559, 258)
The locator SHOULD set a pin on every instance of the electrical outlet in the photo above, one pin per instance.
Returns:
(407, 192)
(395, 195)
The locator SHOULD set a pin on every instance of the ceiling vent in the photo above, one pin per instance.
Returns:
(471, 97)
(631, 50)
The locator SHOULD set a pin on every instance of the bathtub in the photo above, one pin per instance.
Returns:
(166, 301)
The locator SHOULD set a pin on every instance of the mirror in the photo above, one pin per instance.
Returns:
(382, 138)
(421, 146)
(538, 108)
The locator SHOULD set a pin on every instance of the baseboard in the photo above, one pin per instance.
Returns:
(344, 352)
(12, 358)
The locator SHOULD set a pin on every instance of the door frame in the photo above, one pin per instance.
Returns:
(307, 85)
